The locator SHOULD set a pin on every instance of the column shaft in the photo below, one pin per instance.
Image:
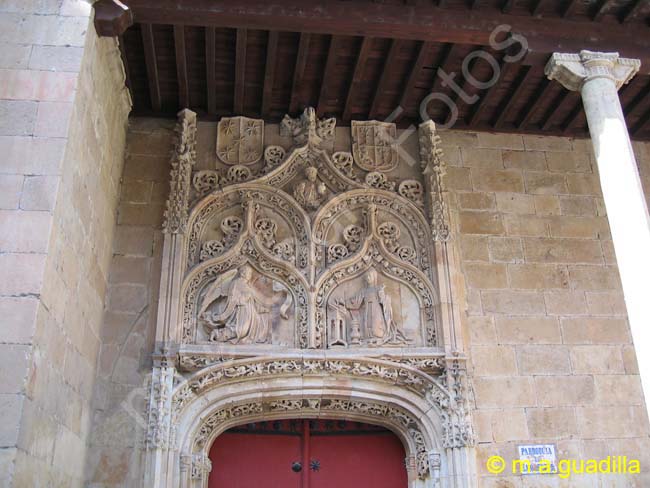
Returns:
(626, 208)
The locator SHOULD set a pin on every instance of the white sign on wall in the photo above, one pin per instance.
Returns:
(537, 459)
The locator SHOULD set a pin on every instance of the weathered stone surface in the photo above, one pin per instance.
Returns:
(543, 360)
(528, 330)
(565, 390)
(551, 423)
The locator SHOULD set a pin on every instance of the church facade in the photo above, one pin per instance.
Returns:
(175, 285)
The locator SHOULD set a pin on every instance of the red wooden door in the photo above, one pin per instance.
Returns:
(307, 454)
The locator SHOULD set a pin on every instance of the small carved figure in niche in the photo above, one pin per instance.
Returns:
(310, 193)
(379, 323)
(244, 319)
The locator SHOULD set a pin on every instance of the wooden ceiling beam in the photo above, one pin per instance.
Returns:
(513, 97)
(641, 123)
(328, 74)
(269, 73)
(507, 5)
(638, 100)
(602, 9)
(152, 66)
(393, 51)
(537, 7)
(455, 98)
(633, 10)
(424, 22)
(540, 98)
(416, 69)
(298, 73)
(210, 67)
(554, 109)
(574, 115)
(357, 76)
(570, 8)
(504, 69)
(181, 67)
(240, 71)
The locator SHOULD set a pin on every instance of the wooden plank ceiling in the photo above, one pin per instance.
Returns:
(375, 61)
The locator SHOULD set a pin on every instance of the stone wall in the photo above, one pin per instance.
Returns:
(550, 348)
(131, 306)
(63, 112)
(551, 354)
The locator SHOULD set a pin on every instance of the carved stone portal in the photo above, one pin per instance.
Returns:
(293, 246)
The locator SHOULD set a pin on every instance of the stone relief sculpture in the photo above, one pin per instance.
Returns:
(374, 147)
(365, 318)
(310, 193)
(294, 246)
(240, 140)
(244, 317)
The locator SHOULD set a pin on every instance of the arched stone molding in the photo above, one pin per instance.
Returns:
(418, 407)
(209, 207)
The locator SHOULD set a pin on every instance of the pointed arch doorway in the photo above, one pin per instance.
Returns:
(307, 453)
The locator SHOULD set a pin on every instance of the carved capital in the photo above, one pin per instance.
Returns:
(574, 70)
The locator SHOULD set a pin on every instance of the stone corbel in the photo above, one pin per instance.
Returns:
(574, 70)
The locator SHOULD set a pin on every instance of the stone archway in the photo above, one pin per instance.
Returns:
(412, 404)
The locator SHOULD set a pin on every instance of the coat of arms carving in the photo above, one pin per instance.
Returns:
(240, 140)
(374, 145)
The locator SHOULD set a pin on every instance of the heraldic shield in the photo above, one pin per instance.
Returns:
(374, 145)
(240, 140)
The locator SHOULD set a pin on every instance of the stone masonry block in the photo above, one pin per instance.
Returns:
(513, 302)
(506, 249)
(17, 117)
(39, 193)
(528, 330)
(481, 223)
(591, 330)
(552, 423)
(10, 188)
(486, 275)
(509, 392)
(498, 181)
(24, 231)
(570, 251)
(536, 276)
(525, 160)
(567, 390)
(597, 359)
(493, 361)
(22, 273)
(543, 360)
(544, 183)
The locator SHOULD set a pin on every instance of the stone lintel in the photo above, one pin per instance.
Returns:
(574, 70)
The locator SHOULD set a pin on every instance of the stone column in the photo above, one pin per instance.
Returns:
(598, 76)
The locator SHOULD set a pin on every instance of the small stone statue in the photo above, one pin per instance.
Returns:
(310, 193)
